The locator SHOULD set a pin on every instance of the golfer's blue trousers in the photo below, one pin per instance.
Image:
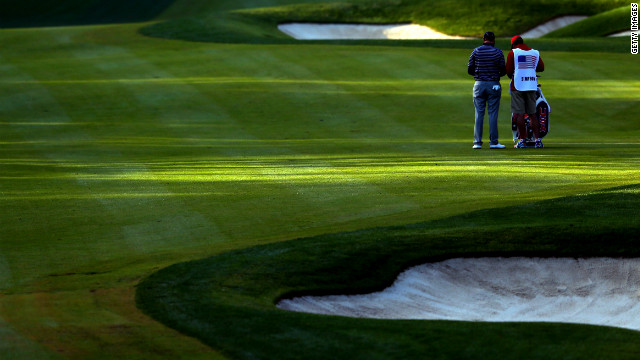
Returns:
(486, 93)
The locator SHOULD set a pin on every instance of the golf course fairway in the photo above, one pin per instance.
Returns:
(165, 183)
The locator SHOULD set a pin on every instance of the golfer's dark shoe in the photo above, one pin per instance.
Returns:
(539, 144)
(521, 144)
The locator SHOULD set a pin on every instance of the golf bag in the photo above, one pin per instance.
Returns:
(542, 113)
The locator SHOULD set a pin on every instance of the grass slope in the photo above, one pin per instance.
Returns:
(459, 17)
(227, 300)
(602, 24)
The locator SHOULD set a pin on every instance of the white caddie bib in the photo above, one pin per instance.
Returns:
(525, 63)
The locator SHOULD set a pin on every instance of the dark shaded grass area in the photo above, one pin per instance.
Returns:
(38, 13)
(227, 301)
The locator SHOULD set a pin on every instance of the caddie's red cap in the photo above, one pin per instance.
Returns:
(513, 39)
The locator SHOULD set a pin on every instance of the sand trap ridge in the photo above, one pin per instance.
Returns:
(552, 25)
(311, 31)
(598, 291)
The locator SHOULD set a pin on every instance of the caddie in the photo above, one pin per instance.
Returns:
(523, 63)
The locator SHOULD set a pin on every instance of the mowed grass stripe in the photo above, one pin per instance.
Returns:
(183, 223)
(44, 154)
(316, 102)
(433, 185)
(96, 170)
(272, 165)
(169, 218)
(431, 88)
(158, 99)
(312, 180)
(366, 137)
(517, 186)
(77, 304)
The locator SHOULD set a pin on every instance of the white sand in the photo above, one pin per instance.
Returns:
(551, 25)
(307, 31)
(598, 291)
(310, 31)
(621, 33)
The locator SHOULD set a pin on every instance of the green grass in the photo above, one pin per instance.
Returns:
(606, 23)
(123, 154)
(459, 17)
(244, 285)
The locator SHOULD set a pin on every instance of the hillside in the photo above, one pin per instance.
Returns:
(255, 20)
(256, 24)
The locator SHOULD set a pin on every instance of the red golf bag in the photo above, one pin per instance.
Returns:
(542, 113)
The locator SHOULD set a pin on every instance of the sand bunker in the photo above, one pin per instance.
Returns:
(552, 25)
(621, 33)
(310, 31)
(598, 291)
(307, 31)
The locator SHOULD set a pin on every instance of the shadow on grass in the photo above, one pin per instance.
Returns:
(20, 14)
(227, 301)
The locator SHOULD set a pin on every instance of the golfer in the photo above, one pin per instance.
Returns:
(486, 65)
(523, 63)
